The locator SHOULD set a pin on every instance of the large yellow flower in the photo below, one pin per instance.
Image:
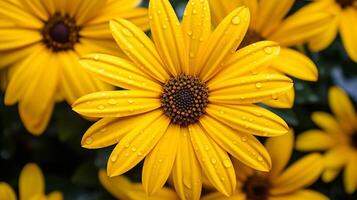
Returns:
(41, 40)
(268, 23)
(279, 183)
(190, 100)
(122, 188)
(31, 186)
(344, 21)
(338, 138)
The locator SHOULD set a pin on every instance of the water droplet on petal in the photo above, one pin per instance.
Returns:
(213, 161)
(103, 130)
(258, 85)
(114, 158)
(133, 149)
(260, 158)
(100, 107)
(112, 101)
(236, 20)
(227, 163)
(96, 57)
(130, 101)
(268, 50)
(89, 140)
(243, 138)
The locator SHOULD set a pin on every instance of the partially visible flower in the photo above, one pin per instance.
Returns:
(41, 42)
(344, 22)
(279, 183)
(191, 99)
(269, 22)
(122, 188)
(31, 186)
(338, 138)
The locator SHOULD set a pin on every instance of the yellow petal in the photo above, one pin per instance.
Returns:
(117, 103)
(119, 72)
(223, 42)
(18, 16)
(348, 32)
(301, 194)
(280, 149)
(55, 196)
(298, 29)
(295, 64)
(93, 45)
(109, 131)
(196, 26)
(244, 147)
(330, 174)
(14, 56)
(243, 171)
(248, 60)
(350, 176)
(139, 48)
(159, 162)
(342, 107)
(326, 121)
(85, 10)
(337, 157)
(36, 8)
(249, 89)
(117, 186)
(301, 174)
(168, 36)
(31, 181)
(219, 196)
(214, 161)
(136, 145)
(13, 38)
(324, 39)
(186, 172)
(285, 100)
(314, 140)
(6, 192)
(271, 13)
(75, 81)
(249, 119)
(97, 31)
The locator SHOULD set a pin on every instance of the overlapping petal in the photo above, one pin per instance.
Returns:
(6, 192)
(31, 181)
(348, 31)
(314, 140)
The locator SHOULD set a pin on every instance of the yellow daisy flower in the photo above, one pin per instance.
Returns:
(338, 138)
(279, 183)
(268, 23)
(122, 188)
(344, 22)
(41, 40)
(31, 186)
(190, 100)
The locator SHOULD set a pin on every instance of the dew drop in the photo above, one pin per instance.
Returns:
(274, 96)
(89, 140)
(243, 138)
(100, 107)
(268, 50)
(139, 153)
(127, 145)
(260, 158)
(194, 11)
(103, 130)
(114, 158)
(96, 57)
(258, 85)
(131, 101)
(213, 161)
(227, 163)
(112, 101)
(222, 178)
(160, 160)
(236, 20)
(222, 112)
(206, 147)
(133, 149)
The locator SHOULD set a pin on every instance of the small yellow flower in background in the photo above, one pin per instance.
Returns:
(41, 41)
(338, 138)
(268, 23)
(122, 188)
(344, 22)
(191, 99)
(31, 186)
(279, 183)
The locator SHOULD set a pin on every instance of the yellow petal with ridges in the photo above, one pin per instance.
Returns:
(119, 72)
(159, 162)
(249, 89)
(285, 100)
(295, 64)
(314, 140)
(215, 162)
(116, 103)
(168, 36)
(6, 192)
(196, 26)
(136, 145)
(31, 181)
(223, 42)
(249, 119)
(13, 39)
(139, 48)
(186, 172)
(248, 60)
(301, 174)
(244, 147)
(36, 8)
(280, 149)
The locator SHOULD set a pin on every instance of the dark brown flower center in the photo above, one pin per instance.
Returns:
(250, 37)
(184, 99)
(345, 3)
(256, 187)
(60, 32)
(354, 139)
